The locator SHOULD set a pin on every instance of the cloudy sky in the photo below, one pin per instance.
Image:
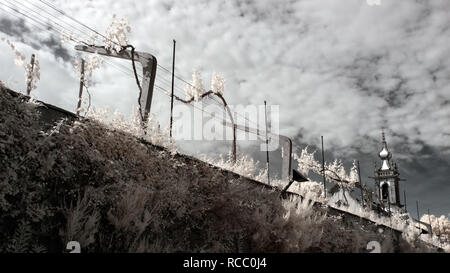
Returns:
(341, 69)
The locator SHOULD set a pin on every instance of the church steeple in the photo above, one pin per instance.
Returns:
(387, 177)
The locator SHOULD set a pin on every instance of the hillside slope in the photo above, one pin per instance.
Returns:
(108, 190)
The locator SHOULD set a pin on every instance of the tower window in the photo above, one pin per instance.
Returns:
(385, 191)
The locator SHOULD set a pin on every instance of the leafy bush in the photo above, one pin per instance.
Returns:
(112, 192)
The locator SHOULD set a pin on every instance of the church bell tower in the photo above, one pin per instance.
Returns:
(387, 178)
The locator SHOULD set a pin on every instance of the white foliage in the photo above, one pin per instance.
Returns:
(196, 89)
(244, 165)
(334, 172)
(117, 34)
(440, 236)
(398, 221)
(217, 84)
(439, 225)
(92, 62)
(67, 37)
(133, 126)
(92, 38)
(308, 225)
(188, 92)
(32, 73)
(410, 233)
(115, 38)
(354, 175)
(307, 163)
(310, 188)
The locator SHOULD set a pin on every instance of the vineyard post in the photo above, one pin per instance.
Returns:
(404, 196)
(360, 183)
(429, 220)
(173, 80)
(234, 143)
(30, 75)
(267, 143)
(417, 207)
(323, 171)
(80, 94)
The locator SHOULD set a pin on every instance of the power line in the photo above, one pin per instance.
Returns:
(45, 11)
(28, 9)
(20, 18)
(47, 27)
(25, 15)
(106, 38)
(75, 20)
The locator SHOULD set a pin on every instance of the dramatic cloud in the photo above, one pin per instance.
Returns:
(341, 69)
